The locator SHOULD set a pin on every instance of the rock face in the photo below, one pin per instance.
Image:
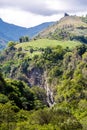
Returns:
(35, 77)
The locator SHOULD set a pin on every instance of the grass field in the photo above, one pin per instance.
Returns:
(43, 43)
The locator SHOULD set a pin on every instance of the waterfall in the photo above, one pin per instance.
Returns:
(50, 99)
(49, 92)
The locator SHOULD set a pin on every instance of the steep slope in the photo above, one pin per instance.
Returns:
(61, 72)
(57, 69)
(69, 27)
(10, 32)
(55, 72)
(16, 60)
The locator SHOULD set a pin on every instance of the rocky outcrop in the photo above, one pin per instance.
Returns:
(35, 77)
(66, 14)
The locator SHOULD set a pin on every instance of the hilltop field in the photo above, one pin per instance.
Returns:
(43, 43)
(37, 45)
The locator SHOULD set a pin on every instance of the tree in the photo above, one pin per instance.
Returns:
(8, 116)
(24, 39)
(21, 39)
(11, 44)
(81, 49)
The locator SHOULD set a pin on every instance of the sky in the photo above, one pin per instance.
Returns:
(29, 13)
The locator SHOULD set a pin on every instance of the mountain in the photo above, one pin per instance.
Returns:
(10, 32)
(69, 28)
(44, 82)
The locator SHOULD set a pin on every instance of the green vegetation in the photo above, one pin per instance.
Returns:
(16, 98)
(15, 32)
(13, 118)
(36, 47)
(43, 43)
(84, 19)
(24, 39)
(67, 28)
(43, 82)
(24, 93)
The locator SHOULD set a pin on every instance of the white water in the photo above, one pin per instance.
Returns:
(49, 92)
(50, 99)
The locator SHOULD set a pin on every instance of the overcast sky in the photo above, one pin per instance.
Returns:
(29, 13)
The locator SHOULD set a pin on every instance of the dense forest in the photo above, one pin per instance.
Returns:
(55, 95)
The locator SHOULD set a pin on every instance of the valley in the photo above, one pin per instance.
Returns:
(11, 32)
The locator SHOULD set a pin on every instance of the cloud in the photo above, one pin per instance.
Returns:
(46, 7)
(29, 13)
(33, 6)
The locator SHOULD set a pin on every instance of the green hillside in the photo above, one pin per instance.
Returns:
(16, 97)
(68, 28)
(43, 82)
(43, 43)
(38, 45)
(57, 78)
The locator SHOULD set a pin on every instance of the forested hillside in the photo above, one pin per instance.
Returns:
(44, 86)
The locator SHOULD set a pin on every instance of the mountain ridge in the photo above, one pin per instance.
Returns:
(11, 32)
(68, 27)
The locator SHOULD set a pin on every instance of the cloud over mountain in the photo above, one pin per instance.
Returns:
(46, 7)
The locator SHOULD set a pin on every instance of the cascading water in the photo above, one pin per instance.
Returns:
(50, 99)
